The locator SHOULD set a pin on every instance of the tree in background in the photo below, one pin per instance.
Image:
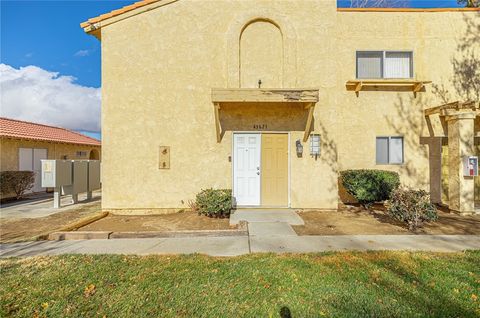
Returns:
(470, 3)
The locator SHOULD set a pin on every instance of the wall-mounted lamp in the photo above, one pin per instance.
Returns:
(299, 147)
(314, 145)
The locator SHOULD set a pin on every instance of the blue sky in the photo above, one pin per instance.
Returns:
(47, 58)
(49, 36)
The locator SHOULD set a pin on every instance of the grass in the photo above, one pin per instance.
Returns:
(373, 284)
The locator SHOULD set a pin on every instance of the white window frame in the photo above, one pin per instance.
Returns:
(388, 151)
(382, 64)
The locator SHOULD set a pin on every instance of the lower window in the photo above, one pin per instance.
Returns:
(389, 150)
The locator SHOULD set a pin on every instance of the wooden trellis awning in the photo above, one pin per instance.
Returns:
(306, 96)
(452, 108)
(411, 85)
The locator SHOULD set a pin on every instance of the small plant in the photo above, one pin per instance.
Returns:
(412, 207)
(192, 205)
(17, 182)
(214, 202)
(369, 186)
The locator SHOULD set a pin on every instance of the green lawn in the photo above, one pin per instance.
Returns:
(373, 284)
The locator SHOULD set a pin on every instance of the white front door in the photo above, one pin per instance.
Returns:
(29, 160)
(246, 168)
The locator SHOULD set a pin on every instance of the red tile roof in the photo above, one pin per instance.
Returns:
(26, 130)
(114, 13)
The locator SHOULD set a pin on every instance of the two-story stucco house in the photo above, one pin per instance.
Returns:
(273, 98)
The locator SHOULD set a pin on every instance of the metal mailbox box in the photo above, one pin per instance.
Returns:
(56, 173)
(93, 175)
(80, 176)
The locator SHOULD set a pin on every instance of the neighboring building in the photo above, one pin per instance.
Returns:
(23, 144)
(225, 94)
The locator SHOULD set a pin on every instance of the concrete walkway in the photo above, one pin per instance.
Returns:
(268, 231)
(268, 222)
(266, 215)
(41, 205)
(238, 245)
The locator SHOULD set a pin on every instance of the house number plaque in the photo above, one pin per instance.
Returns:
(164, 162)
(260, 126)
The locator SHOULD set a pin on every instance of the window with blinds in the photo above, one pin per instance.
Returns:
(389, 150)
(384, 64)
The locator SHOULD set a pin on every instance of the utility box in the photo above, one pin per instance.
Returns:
(80, 176)
(93, 175)
(56, 173)
(470, 166)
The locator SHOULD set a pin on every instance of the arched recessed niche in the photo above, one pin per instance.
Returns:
(261, 23)
(261, 55)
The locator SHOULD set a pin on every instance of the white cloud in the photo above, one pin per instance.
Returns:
(33, 94)
(82, 53)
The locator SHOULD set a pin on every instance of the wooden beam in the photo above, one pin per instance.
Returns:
(387, 82)
(408, 84)
(308, 126)
(455, 106)
(358, 88)
(232, 95)
(417, 87)
(218, 127)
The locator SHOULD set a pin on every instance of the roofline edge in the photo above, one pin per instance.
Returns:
(93, 25)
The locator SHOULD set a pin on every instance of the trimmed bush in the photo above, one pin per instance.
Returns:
(412, 207)
(17, 182)
(214, 202)
(369, 186)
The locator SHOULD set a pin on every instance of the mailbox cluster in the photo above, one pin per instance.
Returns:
(70, 177)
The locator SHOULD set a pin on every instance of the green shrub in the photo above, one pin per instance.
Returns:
(412, 207)
(17, 182)
(214, 202)
(369, 186)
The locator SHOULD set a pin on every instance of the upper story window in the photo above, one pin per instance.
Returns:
(384, 64)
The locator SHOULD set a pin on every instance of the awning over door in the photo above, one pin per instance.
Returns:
(307, 97)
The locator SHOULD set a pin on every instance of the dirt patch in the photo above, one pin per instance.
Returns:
(14, 230)
(357, 221)
(181, 221)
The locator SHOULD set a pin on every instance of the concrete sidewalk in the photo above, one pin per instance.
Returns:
(231, 246)
(40, 206)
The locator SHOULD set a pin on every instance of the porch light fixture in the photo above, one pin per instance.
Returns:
(299, 147)
(314, 145)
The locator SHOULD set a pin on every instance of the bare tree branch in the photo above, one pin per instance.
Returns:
(379, 3)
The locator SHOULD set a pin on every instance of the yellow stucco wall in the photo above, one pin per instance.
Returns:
(9, 151)
(158, 69)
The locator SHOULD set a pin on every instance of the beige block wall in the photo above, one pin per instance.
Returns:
(158, 69)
